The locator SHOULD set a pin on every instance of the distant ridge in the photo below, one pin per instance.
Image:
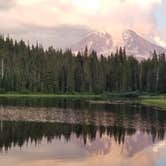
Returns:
(104, 43)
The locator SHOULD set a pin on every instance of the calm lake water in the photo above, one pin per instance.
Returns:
(49, 132)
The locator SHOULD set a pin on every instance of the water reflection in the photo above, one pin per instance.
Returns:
(85, 134)
(20, 133)
(64, 143)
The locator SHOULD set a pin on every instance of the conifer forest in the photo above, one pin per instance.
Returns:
(25, 68)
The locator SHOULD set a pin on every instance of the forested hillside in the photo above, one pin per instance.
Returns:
(26, 68)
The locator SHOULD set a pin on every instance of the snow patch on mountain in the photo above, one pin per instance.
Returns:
(104, 43)
(98, 41)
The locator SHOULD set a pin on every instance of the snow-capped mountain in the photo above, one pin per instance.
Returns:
(138, 46)
(104, 43)
(98, 41)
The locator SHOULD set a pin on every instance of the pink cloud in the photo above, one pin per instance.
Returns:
(109, 15)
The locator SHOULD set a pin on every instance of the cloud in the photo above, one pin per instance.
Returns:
(98, 14)
(119, 15)
(109, 15)
(160, 15)
(159, 41)
(62, 36)
(6, 4)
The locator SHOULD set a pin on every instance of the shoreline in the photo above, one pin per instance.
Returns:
(148, 100)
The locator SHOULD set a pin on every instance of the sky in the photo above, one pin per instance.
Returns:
(60, 22)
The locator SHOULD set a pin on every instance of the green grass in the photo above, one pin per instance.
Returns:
(156, 102)
(39, 95)
(147, 99)
(103, 96)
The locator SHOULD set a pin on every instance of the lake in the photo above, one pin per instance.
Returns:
(66, 132)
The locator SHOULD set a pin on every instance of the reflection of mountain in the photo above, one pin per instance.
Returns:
(93, 127)
(100, 145)
(18, 133)
(94, 139)
(136, 143)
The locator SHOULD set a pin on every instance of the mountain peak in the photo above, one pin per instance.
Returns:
(104, 43)
(129, 31)
(99, 41)
(138, 46)
(128, 34)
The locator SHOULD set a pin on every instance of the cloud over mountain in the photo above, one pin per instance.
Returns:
(110, 15)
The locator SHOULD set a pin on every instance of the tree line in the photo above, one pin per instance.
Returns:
(26, 68)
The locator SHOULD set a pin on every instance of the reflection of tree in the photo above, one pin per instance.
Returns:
(116, 121)
(18, 133)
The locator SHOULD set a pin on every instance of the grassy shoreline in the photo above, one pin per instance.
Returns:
(158, 102)
(103, 96)
(82, 96)
(155, 100)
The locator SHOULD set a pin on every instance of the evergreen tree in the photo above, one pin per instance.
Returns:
(25, 68)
